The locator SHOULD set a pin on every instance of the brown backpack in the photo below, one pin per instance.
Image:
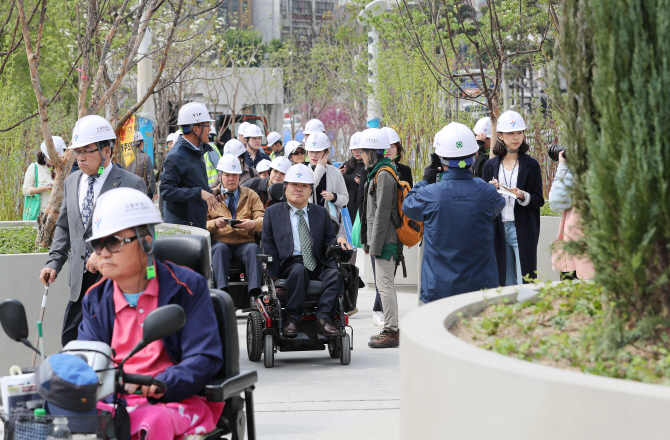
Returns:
(409, 232)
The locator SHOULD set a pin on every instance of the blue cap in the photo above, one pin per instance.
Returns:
(460, 163)
(68, 384)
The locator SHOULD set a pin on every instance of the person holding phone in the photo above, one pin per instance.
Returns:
(232, 226)
(518, 177)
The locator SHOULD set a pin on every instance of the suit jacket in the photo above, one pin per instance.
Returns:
(526, 218)
(69, 242)
(278, 235)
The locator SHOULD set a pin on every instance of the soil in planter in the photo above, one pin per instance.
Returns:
(564, 329)
(19, 240)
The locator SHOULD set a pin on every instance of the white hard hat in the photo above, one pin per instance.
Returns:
(391, 134)
(212, 129)
(317, 141)
(374, 139)
(281, 164)
(138, 137)
(291, 146)
(312, 126)
(90, 129)
(193, 113)
(299, 173)
(455, 140)
(273, 137)
(241, 128)
(252, 131)
(234, 147)
(354, 140)
(263, 165)
(483, 126)
(229, 164)
(172, 137)
(510, 121)
(59, 143)
(122, 208)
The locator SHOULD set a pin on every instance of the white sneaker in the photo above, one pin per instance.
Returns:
(378, 318)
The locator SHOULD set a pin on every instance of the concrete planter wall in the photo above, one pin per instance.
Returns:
(452, 389)
(19, 279)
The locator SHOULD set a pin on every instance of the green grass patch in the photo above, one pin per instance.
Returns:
(19, 240)
(566, 328)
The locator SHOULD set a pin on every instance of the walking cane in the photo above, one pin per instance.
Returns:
(39, 326)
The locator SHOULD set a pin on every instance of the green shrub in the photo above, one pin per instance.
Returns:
(19, 240)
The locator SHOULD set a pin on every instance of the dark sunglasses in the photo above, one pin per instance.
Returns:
(112, 243)
(299, 151)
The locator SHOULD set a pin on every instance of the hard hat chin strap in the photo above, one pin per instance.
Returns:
(102, 159)
(507, 148)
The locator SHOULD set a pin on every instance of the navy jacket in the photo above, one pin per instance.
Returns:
(458, 215)
(260, 155)
(195, 350)
(278, 235)
(183, 177)
(526, 218)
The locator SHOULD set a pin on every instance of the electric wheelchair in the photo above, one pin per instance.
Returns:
(192, 251)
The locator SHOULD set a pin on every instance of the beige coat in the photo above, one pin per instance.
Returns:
(249, 207)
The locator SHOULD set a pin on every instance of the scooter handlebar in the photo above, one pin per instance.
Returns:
(141, 379)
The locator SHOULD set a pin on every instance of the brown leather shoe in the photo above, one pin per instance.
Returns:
(386, 339)
(290, 329)
(327, 328)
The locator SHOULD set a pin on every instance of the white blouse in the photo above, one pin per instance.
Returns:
(43, 178)
(509, 179)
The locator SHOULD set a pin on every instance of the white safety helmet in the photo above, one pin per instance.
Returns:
(122, 208)
(263, 165)
(172, 137)
(241, 128)
(312, 126)
(253, 131)
(317, 141)
(273, 138)
(374, 139)
(234, 147)
(281, 164)
(229, 164)
(510, 121)
(91, 129)
(193, 113)
(291, 146)
(59, 143)
(455, 141)
(299, 173)
(138, 137)
(392, 135)
(354, 140)
(483, 126)
(212, 129)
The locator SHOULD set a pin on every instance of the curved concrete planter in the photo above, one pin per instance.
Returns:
(19, 279)
(452, 389)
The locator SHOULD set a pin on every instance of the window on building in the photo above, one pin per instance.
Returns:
(302, 7)
(233, 3)
(245, 6)
(322, 7)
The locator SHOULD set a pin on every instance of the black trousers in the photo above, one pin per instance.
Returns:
(297, 282)
(73, 313)
(222, 255)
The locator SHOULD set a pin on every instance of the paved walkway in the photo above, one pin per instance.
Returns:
(308, 395)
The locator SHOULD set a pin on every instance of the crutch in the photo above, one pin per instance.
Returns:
(38, 341)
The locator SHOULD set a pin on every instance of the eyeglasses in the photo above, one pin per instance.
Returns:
(113, 244)
(299, 152)
(84, 152)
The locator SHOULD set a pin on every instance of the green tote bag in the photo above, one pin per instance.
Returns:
(32, 204)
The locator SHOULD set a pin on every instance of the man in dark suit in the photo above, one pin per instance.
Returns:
(92, 143)
(297, 234)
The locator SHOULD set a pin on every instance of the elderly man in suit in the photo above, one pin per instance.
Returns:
(297, 234)
(92, 141)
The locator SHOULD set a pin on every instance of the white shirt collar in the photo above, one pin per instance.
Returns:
(293, 209)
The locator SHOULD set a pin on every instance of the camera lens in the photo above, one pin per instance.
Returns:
(554, 151)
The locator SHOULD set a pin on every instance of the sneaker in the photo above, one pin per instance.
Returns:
(378, 319)
(353, 312)
(386, 339)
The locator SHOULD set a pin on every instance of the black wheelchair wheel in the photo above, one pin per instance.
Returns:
(345, 352)
(254, 336)
(334, 347)
(269, 352)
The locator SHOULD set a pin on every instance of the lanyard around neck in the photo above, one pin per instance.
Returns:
(511, 175)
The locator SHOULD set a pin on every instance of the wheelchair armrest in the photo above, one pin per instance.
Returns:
(221, 389)
(339, 255)
(264, 258)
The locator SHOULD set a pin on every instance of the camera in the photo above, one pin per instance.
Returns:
(555, 150)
